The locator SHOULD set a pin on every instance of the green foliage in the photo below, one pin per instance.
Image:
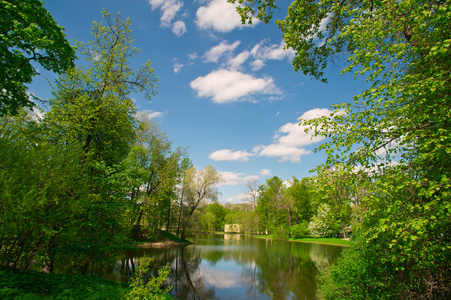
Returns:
(37, 285)
(322, 225)
(396, 134)
(299, 230)
(28, 33)
(280, 233)
(144, 286)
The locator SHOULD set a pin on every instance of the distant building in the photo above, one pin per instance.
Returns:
(232, 228)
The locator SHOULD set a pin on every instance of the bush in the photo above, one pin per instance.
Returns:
(281, 234)
(145, 287)
(299, 230)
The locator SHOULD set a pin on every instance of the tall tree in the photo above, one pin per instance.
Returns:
(92, 108)
(28, 34)
(200, 186)
(154, 166)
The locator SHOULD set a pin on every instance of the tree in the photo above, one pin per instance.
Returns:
(40, 191)
(154, 166)
(398, 131)
(92, 108)
(270, 207)
(28, 33)
(198, 186)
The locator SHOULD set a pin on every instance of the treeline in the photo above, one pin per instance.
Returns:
(79, 181)
(327, 205)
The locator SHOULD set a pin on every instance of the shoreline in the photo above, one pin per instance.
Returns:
(323, 241)
(162, 244)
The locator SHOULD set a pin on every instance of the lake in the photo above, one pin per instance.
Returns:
(233, 266)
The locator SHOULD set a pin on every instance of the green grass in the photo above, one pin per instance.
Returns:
(169, 236)
(37, 285)
(327, 241)
(33, 285)
(162, 236)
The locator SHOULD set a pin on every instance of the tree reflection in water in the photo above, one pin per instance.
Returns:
(244, 268)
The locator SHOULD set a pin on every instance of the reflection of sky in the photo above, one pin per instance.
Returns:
(225, 274)
(226, 277)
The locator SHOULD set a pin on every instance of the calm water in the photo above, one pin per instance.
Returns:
(237, 267)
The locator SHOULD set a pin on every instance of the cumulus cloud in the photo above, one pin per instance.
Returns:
(291, 138)
(285, 152)
(220, 16)
(233, 178)
(236, 198)
(218, 51)
(169, 10)
(264, 52)
(179, 28)
(153, 114)
(235, 63)
(226, 86)
(257, 64)
(230, 155)
(289, 142)
(265, 172)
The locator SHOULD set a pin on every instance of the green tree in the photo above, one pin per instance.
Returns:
(28, 34)
(92, 108)
(198, 186)
(270, 205)
(398, 131)
(154, 165)
(40, 191)
(219, 213)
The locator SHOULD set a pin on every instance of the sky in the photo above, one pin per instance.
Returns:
(227, 92)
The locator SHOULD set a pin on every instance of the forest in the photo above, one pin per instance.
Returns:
(84, 174)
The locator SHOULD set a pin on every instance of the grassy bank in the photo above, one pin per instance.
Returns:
(37, 285)
(326, 241)
(162, 238)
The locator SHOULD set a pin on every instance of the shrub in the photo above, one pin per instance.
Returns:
(280, 234)
(144, 287)
(299, 230)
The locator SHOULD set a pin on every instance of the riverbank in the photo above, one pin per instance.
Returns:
(38, 285)
(326, 241)
(164, 239)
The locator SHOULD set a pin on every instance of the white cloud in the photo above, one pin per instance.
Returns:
(178, 67)
(257, 64)
(192, 56)
(169, 10)
(285, 152)
(235, 62)
(225, 86)
(230, 155)
(179, 28)
(219, 16)
(271, 52)
(265, 172)
(217, 51)
(232, 178)
(235, 198)
(316, 112)
(290, 138)
(153, 114)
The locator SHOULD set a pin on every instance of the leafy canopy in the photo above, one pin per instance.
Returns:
(28, 34)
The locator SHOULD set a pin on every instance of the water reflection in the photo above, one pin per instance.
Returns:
(237, 267)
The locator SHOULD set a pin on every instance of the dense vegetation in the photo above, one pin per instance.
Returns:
(391, 146)
(86, 175)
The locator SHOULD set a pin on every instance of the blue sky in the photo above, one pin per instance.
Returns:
(226, 91)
